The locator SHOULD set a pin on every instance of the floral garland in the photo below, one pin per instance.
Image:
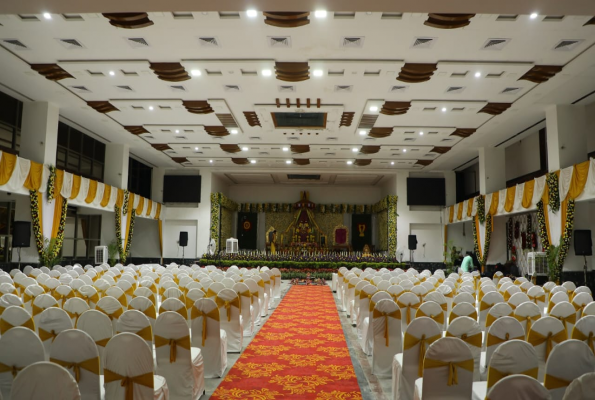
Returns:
(566, 238)
(481, 209)
(554, 194)
(60, 236)
(119, 233)
(35, 220)
(486, 247)
(509, 234)
(380, 206)
(131, 231)
(545, 243)
(125, 204)
(391, 202)
(529, 224)
(215, 211)
(51, 183)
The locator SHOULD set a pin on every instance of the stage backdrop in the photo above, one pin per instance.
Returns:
(382, 230)
(281, 220)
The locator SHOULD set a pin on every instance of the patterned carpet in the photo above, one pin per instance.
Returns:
(300, 353)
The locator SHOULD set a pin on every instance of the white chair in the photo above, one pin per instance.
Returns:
(129, 367)
(207, 336)
(15, 316)
(581, 388)
(566, 313)
(501, 331)
(41, 303)
(518, 387)
(448, 371)
(585, 330)
(556, 298)
(111, 307)
(517, 299)
(19, 347)
(97, 325)
(180, 364)
(463, 310)
(76, 351)
(543, 336)
(134, 321)
(173, 304)
(52, 321)
(408, 303)
(364, 307)
(118, 294)
(580, 301)
(527, 313)
(486, 303)
(144, 305)
(567, 361)
(45, 380)
(262, 295)
(432, 310)
(439, 299)
(498, 310)
(367, 341)
(537, 295)
(387, 338)
(468, 330)
(231, 320)
(353, 310)
(90, 294)
(253, 286)
(246, 308)
(8, 300)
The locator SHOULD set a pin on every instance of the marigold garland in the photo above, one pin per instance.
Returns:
(119, 234)
(125, 203)
(566, 238)
(130, 232)
(481, 209)
(554, 194)
(545, 242)
(51, 183)
(60, 235)
(33, 195)
(483, 258)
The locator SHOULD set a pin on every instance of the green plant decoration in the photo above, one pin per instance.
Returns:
(554, 193)
(112, 252)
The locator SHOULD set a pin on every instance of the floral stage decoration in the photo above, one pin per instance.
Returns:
(51, 183)
(554, 192)
(481, 208)
(57, 237)
(34, 197)
(482, 253)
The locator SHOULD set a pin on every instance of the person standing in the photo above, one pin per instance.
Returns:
(272, 240)
(467, 264)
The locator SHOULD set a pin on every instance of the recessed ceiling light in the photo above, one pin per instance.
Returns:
(288, 162)
(196, 148)
(195, 72)
(251, 13)
(234, 131)
(177, 131)
(211, 161)
(252, 161)
(355, 149)
(392, 163)
(421, 133)
(349, 162)
(443, 109)
(151, 108)
(533, 15)
(362, 133)
(285, 148)
(47, 15)
(244, 148)
(320, 14)
(266, 72)
(477, 74)
(318, 72)
(404, 150)
(112, 73)
(374, 108)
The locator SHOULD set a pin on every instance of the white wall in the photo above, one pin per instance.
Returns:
(145, 242)
(171, 235)
(291, 194)
(590, 112)
(461, 236)
(429, 242)
(584, 218)
(522, 157)
(498, 241)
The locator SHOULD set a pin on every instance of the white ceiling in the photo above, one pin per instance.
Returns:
(244, 51)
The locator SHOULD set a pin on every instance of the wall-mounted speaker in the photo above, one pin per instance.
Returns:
(582, 243)
(183, 241)
(412, 242)
(21, 234)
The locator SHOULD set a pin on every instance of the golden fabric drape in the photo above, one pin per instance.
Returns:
(128, 219)
(149, 208)
(478, 237)
(545, 197)
(76, 186)
(470, 206)
(92, 191)
(141, 205)
(158, 213)
(510, 194)
(494, 206)
(527, 193)
(7, 165)
(107, 192)
(33, 181)
(578, 181)
(58, 183)
(40, 213)
(460, 211)
(91, 365)
(120, 198)
(451, 214)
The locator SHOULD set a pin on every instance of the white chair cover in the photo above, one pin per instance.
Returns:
(433, 310)
(90, 294)
(213, 344)
(364, 307)
(8, 300)
(567, 361)
(498, 310)
(408, 303)
(128, 356)
(144, 305)
(486, 303)
(97, 325)
(518, 387)
(118, 294)
(566, 313)
(527, 313)
(468, 330)
(230, 318)
(367, 341)
(111, 307)
(254, 292)
(501, 331)
(581, 388)
(52, 321)
(546, 327)
(246, 301)
(517, 299)
(538, 296)
(387, 342)
(15, 316)
(76, 351)
(134, 321)
(463, 310)
(585, 330)
(45, 380)
(579, 301)
(40, 303)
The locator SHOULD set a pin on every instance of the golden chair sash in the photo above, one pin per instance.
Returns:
(538, 298)
(123, 300)
(74, 315)
(553, 382)
(149, 311)
(410, 341)
(10, 368)
(408, 308)
(453, 378)
(379, 314)
(173, 344)
(253, 295)
(454, 315)
(495, 375)
(439, 318)
(490, 319)
(45, 335)
(473, 340)
(579, 335)
(91, 365)
(247, 294)
(62, 297)
(146, 333)
(484, 306)
(444, 306)
(188, 302)
(128, 381)
(36, 310)
(211, 293)
(213, 314)
(5, 325)
(571, 319)
(228, 304)
(115, 315)
(528, 319)
(536, 338)
(449, 295)
(129, 291)
(350, 286)
(102, 342)
(493, 340)
(94, 298)
(182, 311)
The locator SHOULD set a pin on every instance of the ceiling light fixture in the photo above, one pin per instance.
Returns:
(285, 148)
(195, 72)
(320, 14)
(288, 162)
(234, 131)
(47, 15)
(392, 163)
(266, 72)
(318, 72)
(196, 148)
(355, 149)
(421, 133)
(362, 133)
(443, 109)
(151, 108)
(374, 108)
(404, 150)
(349, 162)
(112, 73)
(252, 161)
(244, 148)
(211, 161)
(251, 13)
(177, 131)
(478, 74)
(533, 15)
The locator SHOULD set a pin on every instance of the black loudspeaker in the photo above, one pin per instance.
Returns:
(412, 242)
(582, 243)
(183, 239)
(21, 234)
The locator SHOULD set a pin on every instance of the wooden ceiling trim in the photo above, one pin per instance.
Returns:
(252, 118)
(227, 120)
(440, 150)
(369, 149)
(590, 22)
(395, 107)
(541, 73)
(180, 160)
(129, 20)
(286, 19)
(346, 119)
(362, 163)
(170, 72)
(424, 162)
(448, 21)
(495, 108)
(300, 148)
(136, 130)
(230, 148)
(463, 132)
(292, 71)
(52, 72)
(198, 106)
(301, 161)
(380, 132)
(240, 161)
(102, 106)
(160, 146)
(416, 73)
(218, 131)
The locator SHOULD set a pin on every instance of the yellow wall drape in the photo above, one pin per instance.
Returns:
(451, 213)
(131, 202)
(149, 208)
(92, 191)
(563, 211)
(107, 192)
(470, 206)
(579, 179)
(527, 193)
(545, 197)
(76, 186)
(120, 198)
(7, 164)
(510, 194)
(141, 205)
(158, 213)
(547, 222)
(460, 211)
(33, 181)
(494, 206)
(58, 183)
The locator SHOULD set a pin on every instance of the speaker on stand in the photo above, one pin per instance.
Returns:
(183, 242)
(412, 245)
(21, 236)
(583, 246)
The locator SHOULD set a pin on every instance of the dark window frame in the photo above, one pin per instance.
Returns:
(72, 143)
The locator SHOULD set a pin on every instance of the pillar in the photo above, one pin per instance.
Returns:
(39, 132)
(450, 183)
(567, 134)
(492, 170)
(157, 184)
(116, 165)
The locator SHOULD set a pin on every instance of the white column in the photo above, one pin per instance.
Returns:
(39, 132)
(203, 232)
(450, 179)
(567, 133)
(116, 165)
(157, 184)
(492, 171)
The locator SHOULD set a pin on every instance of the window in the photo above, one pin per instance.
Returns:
(139, 178)
(11, 114)
(81, 234)
(79, 154)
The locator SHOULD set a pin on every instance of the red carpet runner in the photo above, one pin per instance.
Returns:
(300, 353)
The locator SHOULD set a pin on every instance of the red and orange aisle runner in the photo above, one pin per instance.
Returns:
(300, 353)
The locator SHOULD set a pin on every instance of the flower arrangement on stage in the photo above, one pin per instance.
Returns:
(39, 242)
(391, 207)
(486, 247)
(263, 257)
(509, 234)
(342, 208)
(545, 242)
(554, 194)
(125, 203)
(51, 183)
(215, 215)
(481, 208)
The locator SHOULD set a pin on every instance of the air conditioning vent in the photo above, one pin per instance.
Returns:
(72, 17)
(372, 73)
(389, 15)
(303, 177)
(249, 73)
(212, 72)
(409, 139)
(553, 18)
(414, 150)
(95, 73)
(124, 88)
(432, 133)
(399, 89)
(28, 17)
(332, 139)
(459, 74)
(293, 138)
(423, 43)
(330, 154)
(182, 15)
(337, 72)
(15, 44)
(428, 155)
(254, 138)
(167, 108)
(137, 43)
(455, 89)
(284, 88)
(80, 89)
(231, 88)
(166, 130)
(177, 88)
(71, 44)
(495, 44)
(208, 41)
(567, 44)
(182, 137)
(429, 109)
(229, 15)
(149, 137)
(129, 73)
(344, 15)
(494, 75)
(263, 153)
(369, 138)
(279, 41)
(343, 89)
(459, 109)
(353, 41)
(511, 90)
(507, 17)
(446, 140)
(138, 108)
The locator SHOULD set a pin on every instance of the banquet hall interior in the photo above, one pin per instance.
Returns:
(330, 199)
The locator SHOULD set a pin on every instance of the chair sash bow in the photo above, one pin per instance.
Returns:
(494, 375)
(173, 344)
(408, 308)
(535, 339)
(213, 314)
(91, 365)
(579, 335)
(493, 340)
(128, 381)
(115, 315)
(10, 368)
(47, 335)
(553, 382)
(490, 319)
(529, 319)
(228, 304)
(423, 341)
(380, 314)
(472, 340)
(453, 376)
(439, 318)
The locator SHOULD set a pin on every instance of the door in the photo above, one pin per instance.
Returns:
(361, 231)
(247, 230)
